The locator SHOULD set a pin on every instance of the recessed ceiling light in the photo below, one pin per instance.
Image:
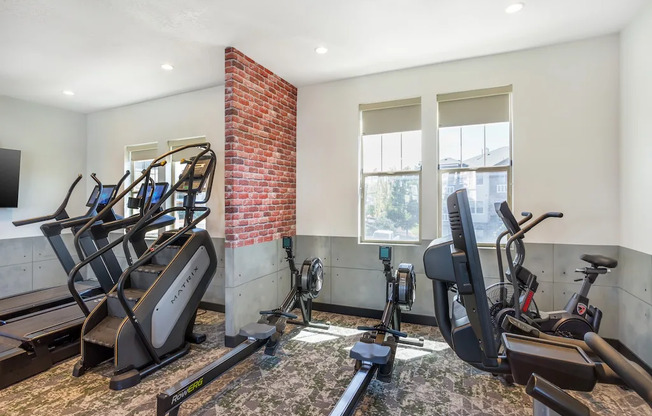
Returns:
(321, 50)
(167, 67)
(68, 92)
(514, 8)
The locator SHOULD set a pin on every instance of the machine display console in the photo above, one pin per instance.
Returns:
(287, 242)
(105, 196)
(159, 189)
(385, 253)
(93, 197)
(199, 180)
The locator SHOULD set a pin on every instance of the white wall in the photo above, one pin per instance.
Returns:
(198, 113)
(53, 148)
(565, 138)
(635, 313)
(636, 133)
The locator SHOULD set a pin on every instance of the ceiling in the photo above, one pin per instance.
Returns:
(110, 52)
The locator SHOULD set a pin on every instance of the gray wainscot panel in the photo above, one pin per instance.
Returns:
(346, 252)
(15, 279)
(312, 246)
(358, 288)
(42, 249)
(567, 259)
(16, 251)
(245, 301)
(634, 273)
(635, 325)
(48, 273)
(215, 291)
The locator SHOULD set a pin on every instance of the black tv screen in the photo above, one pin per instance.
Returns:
(9, 176)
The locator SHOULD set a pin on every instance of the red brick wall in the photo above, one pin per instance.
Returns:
(260, 153)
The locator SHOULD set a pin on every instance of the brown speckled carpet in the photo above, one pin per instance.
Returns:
(310, 372)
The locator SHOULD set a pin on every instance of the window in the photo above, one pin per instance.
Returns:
(475, 153)
(390, 179)
(138, 158)
(177, 169)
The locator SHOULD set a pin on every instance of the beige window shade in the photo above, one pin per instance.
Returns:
(142, 152)
(188, 153)
(391, 117)
(474, 107)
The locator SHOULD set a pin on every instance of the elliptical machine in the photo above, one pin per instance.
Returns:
(375, 352)
(517, 297)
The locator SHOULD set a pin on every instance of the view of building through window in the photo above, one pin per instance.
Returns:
(477, 158)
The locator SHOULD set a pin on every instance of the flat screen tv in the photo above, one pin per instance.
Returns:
(9, 176)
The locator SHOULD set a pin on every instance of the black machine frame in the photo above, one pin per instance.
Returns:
(528, 355)
(375, 352)
(302, 292)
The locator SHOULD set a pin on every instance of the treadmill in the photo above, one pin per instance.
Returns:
(35, 342)
(106, 270)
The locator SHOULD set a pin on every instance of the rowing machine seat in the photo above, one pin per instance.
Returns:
(257, 330)
(374, 353)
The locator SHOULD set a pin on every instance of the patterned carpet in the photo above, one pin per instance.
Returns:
(306, 378)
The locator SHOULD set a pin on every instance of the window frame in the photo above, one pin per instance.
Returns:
(174, 144)
(364, 175)
(483, 169)
(130, 165)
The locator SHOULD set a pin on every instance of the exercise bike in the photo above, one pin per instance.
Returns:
(375, 352)
(306, 284)
(516, 298)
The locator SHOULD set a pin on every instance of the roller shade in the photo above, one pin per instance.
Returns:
(188, 153)
(142, 152)
(391, 117)
(474, 107)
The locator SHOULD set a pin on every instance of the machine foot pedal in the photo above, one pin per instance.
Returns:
(196, 338)
(78, 369)
(124, 380)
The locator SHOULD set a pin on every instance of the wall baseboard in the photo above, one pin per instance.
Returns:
(210, 306)
(373, 313)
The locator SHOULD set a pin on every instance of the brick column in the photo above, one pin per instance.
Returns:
(260, 188)
(260, 153)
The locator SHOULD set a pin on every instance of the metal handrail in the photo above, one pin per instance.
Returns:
(57, 212)
(92, 209)
(168, 194)
(501, 274)
(508, 254)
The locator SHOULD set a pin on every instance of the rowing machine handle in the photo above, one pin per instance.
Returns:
(279, 313)
(388, 330)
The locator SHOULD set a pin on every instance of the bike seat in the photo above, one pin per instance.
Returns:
(258, 331)
(599, 260)
(374, 353)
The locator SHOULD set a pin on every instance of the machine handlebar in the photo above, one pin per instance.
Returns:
(381, 329)
(279, 313)
(641, 383)
(555, 398)
(57, 212)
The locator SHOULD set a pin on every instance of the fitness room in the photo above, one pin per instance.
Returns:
(338, 208)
